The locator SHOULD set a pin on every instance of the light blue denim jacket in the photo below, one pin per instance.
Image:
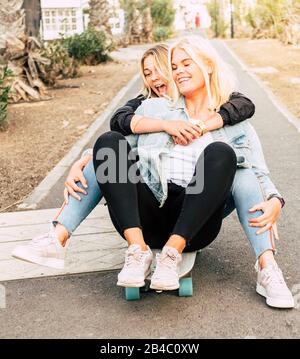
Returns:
(241, 137)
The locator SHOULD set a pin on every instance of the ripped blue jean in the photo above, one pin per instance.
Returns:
(245, 193)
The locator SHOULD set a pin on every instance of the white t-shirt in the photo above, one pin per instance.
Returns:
(180, 163)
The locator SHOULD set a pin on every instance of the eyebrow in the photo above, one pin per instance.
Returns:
(187, 58)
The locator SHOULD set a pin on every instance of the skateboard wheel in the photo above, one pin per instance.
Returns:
(186, 287)
(132, 293)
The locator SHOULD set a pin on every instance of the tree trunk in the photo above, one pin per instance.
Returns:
(20, 53)
(100, 13)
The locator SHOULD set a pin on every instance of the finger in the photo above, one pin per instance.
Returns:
(257, 207)
(182, 140)
(66, 196)
(194, 132)
(198, 130)
(76, 188)
(260, 224)
(259, 219)
(83, 180)
(72, 193)
(265, 228)
(187, 135)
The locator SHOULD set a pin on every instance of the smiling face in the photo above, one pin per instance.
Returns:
(153, 77)
(187, 75)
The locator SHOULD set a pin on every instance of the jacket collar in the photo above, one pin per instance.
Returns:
(179, 104)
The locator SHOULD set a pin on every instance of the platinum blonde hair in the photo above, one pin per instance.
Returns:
(220, 83)
(160, 56)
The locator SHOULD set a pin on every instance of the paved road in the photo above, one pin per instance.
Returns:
(224, 304)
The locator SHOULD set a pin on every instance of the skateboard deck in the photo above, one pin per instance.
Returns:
(185, 277)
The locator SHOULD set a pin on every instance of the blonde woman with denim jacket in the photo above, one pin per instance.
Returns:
(203, 84)
(82, 193)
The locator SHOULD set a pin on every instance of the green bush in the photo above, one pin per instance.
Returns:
(163, 15)
(89, 47)
(161, 33)
(218, 25)
(5, 73)
(162, 12)
(60, 65)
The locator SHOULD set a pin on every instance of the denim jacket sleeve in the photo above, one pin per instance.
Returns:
(259, 165)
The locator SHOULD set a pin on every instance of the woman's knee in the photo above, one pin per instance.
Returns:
(222, 154)
(107, 139)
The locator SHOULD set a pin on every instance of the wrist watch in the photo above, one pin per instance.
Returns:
(282, 201)
(203, 127)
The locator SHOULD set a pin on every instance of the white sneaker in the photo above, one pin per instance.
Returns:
(166, 274)
(45, 250)
(137, 267)
(271, 285)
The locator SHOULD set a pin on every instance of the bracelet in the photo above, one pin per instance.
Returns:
(282, 201)
(203, 127)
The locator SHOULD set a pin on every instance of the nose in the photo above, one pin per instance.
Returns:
(179, 70)
(154, 75)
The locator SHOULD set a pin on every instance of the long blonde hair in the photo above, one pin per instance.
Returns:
(160, 56)
(219, 84)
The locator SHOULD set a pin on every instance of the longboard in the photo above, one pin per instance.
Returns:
(185, 277)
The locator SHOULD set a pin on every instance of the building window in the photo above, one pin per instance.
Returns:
(60, 20)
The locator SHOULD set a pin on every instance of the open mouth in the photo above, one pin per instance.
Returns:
(161, 89)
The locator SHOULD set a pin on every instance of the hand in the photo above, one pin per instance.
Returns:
(271, 209)
(76, 175)
(183, 132)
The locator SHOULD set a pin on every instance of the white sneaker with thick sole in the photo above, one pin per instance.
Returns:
(166, 273)
(271, 285)
(136, 268)
(44, 249)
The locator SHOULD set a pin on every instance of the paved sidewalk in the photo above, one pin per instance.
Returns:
(224, 304)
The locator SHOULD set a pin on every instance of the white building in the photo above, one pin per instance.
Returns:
(67, 17)
(62, 18)
(117, 21)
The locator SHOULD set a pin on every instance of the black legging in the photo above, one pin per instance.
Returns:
(196, 217)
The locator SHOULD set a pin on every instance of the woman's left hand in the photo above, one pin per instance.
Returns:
(271, 209)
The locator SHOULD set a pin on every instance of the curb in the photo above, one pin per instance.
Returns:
(276, 102)
(43, 189)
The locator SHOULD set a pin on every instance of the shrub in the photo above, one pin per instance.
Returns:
(217, 22)
(161, 33)
(89, 47)
(5, 73)
(60, 65)
(163, 15)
